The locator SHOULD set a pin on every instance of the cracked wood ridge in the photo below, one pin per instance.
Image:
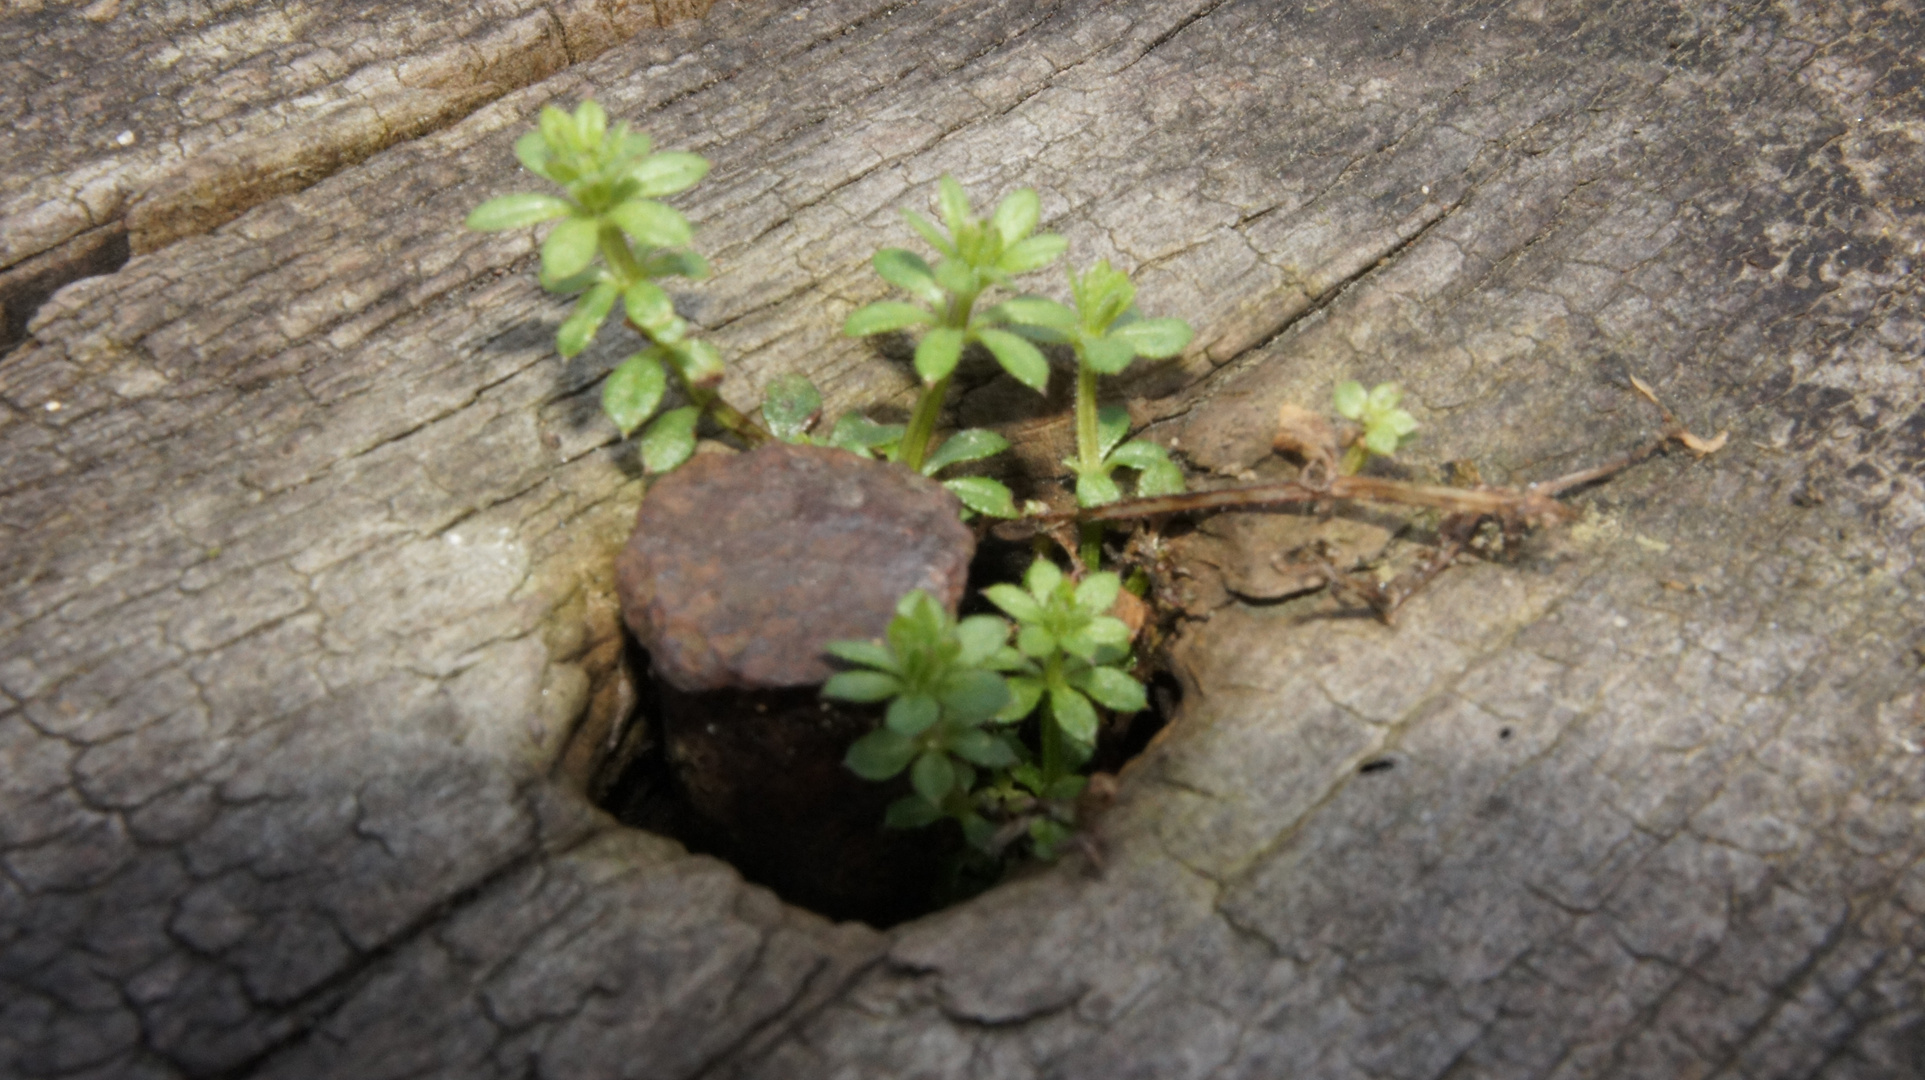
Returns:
(307, 533)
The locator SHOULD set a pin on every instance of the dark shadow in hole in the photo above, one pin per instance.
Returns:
(756, 778)
(27, 285)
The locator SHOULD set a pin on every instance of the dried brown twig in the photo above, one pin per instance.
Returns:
(1464, 508)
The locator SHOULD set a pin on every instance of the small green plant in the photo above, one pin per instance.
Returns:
(976, 255)
(613, 240)
(958, 693)
(1108, 334)
(947, 701)
(1072, 651)
(1385, 426)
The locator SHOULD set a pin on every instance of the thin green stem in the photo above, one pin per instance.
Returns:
(1089, 450)
(710, 401)
(1089, 454)
(922, 423)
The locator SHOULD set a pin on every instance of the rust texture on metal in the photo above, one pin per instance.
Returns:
(742, 566)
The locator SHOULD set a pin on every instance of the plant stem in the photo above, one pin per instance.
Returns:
(1089, 454)
(922, 423)
(727, 415)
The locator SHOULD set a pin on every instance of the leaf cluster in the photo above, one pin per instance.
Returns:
(957, 693)
(1385, 426)
(613, 239)
(974, 255)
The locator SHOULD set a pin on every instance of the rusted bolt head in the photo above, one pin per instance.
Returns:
(742, 566)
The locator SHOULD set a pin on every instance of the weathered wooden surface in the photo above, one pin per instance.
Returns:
(306, 576)
(130, 125)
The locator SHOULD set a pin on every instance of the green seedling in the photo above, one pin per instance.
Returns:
(976, 255)
(792, 408)
(1074, 656)
(1108, 334)
(945, 720)
(613, 240)
(1385, 426)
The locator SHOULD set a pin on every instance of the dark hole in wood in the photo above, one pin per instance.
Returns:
(1376, 765)
(1504, 733)
(756, 779)
(27, 285)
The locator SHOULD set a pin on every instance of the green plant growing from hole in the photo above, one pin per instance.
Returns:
(1385, 426)
(945, 718)
(957, 693)
(613, 240)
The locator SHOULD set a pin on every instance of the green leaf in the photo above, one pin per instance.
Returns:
(534, 153)
(1035, 642)
(912, 714)
(984, 495)
(570, 247)
(1384, 397)
(1381, 439)
(1096, 593)
(862, 686)
(1074, 714)
(1096, 489)
(879, 755)
(669, 172)
(1035, 311)
(557, 128)
(1018, 357)
(910, 812)
(972, 444)
(860, 435)
(1139, 454)
(648, 306)
(1016, 216)
(982, 748)
(579, 328)
(1024, 693)
(1032, 254)
(1400, 422)
(1350, 398)
(933, 777)
(1113, 689)
(1112, 425)
(1107, 355)
(955, 276)
(936, 356)
(591, 123)
(870, 653)
(928, 231)
(670, 440)
(515, 211)
(1155, 338)
(790, 406)
(1041, 579)
(697, 361)
(980, 636)
(1161, 478)
(907, 271)
(884, 316)
(1046, 838)
(633, 391)
(652, 223)
(1065, 788)
(974, 696)
(1020, 605)
(980, 832)
(953, 203)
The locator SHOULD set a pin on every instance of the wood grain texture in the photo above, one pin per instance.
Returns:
(306, 578)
